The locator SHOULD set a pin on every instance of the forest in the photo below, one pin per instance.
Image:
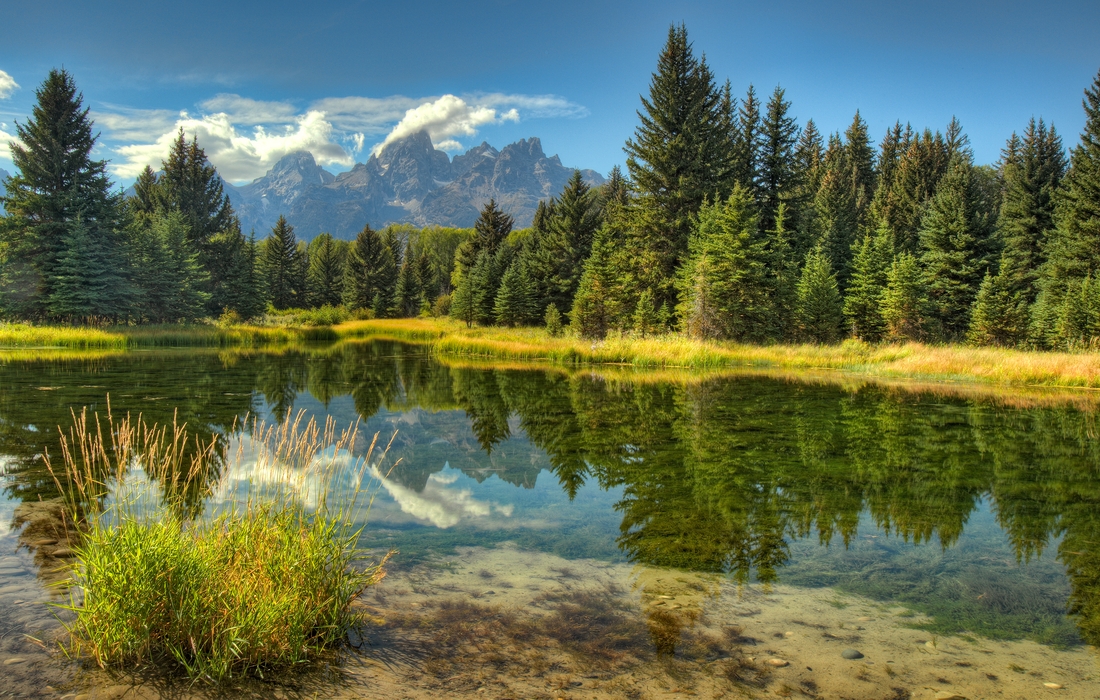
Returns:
(731, 221)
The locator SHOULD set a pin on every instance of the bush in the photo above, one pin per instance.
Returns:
(553, 321)
(442, 306)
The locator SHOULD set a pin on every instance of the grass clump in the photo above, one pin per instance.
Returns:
(267, 582)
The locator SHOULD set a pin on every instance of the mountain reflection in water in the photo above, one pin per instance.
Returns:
(725, 475)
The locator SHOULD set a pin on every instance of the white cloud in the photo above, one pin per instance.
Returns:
(444, 118)
(239, 156)
(244, 137)
(7, 85)
(368, 115)
(6, 139)
(249, 112)
(441, 506)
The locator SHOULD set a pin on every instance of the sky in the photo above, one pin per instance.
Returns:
(258, 80)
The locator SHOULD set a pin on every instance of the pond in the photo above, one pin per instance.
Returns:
(611, 533)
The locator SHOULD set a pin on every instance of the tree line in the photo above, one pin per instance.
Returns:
(732, 221)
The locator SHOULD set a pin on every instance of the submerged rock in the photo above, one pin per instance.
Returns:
(778, 663)
(851, 654)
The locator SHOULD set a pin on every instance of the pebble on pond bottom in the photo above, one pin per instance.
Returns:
(851, 654)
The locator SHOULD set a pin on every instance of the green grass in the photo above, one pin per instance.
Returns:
(264, 585)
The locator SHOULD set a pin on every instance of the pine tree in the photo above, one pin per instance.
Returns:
(553, 321)
(490, 231)
(58, 197)
(558, 253)
(514, 303)
(327, 262)
(594, 305)
(281, 266)
(836, 218)
(724, 290)
(863, 302)
(958, 247)
(861, 169)
(905, 306)
(183, 279)
(819, 309)
(1073, 247)
(191, 186)
(680, 153)
(778, 167)
(645, 315)
(228, 279)
(86, 283)
(369, 264)
(918, 173)
(747, 129)
(1031, 170)
(809, 164)
(408, 292)
(998, 317)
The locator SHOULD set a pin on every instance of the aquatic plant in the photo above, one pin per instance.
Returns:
(266, 582)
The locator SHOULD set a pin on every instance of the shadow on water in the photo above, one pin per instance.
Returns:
(754, 479)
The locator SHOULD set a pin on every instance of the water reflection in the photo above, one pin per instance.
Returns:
(721, 476)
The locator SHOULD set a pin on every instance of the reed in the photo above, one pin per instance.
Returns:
(265, 582)
(19, 335)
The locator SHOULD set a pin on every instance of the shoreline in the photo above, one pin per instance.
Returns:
(1018, 369)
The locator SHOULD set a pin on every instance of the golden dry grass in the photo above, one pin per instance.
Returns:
(21, 335)
(911, 360)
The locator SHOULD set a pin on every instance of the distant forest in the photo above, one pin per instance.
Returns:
(732, 221)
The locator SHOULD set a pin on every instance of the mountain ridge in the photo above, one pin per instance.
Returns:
(409, 181)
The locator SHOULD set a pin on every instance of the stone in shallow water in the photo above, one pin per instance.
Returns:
(949, 695)
(1053, 686)
(851, 654)
(14, 660)
(778, 663)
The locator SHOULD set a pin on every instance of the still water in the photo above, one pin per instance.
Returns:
(619, 534)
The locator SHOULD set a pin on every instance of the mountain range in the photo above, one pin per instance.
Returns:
(408, 181)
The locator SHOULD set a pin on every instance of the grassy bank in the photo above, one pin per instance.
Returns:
(911, 360)
(264, 584)
(19, 335)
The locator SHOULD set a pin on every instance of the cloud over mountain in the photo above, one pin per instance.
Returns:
(245, 137)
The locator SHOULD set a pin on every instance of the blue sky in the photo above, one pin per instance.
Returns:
(256, 80)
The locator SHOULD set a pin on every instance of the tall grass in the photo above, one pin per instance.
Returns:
(21, 335)
(266, 582)
(674, 350)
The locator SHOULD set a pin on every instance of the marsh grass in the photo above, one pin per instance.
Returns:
(674, 350)
(21, 335)
(264, 583)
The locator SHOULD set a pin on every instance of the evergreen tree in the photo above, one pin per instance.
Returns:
(819, 310)
(366, 272)
(182, 278)
(515, 302)
(490, 231)
(645, 315)
(558, 253)
(747, 127)
(680, 154)
(778, 167)
(918, 173)
(86, 283)
(905, 306)
(724, 292)
(553, 321)
(860, 161)
(407, 291)
(57, 199)
(228, 282)
(836, 219)
(1073, 247)
(782, 270)
(1031, 169)
(863, 303)
(809, 164)
(998, 317)
(145, 200)
(191, 186)
(595, 305)
(281, 266)
(958, 247)
(327, 262)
